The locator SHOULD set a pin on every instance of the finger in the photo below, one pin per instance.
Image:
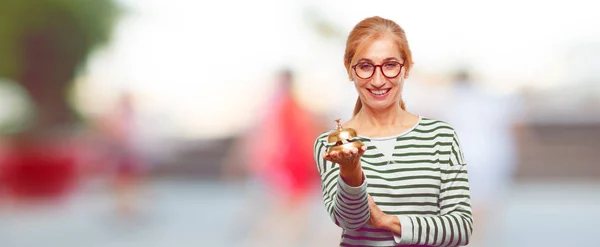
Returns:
(372, 205)
(334, 155)
(347, 153)
(371, 201)
(353, 151)
(326, 156)
(362, 149)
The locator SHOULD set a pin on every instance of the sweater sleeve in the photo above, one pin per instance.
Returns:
(347, 206)
(454, 225)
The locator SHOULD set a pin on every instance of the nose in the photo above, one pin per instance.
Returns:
(378, 80)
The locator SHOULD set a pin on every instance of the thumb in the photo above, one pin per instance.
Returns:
(371, 202)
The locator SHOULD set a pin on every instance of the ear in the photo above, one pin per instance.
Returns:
(351, 78)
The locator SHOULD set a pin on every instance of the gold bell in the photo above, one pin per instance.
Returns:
(343, 139)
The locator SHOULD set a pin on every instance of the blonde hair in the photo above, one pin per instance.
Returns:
(365, 32)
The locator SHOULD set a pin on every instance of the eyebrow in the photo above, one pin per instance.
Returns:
(371, 61)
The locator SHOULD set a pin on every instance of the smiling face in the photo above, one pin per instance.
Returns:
(383, 89)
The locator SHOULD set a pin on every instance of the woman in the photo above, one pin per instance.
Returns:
(408, 185)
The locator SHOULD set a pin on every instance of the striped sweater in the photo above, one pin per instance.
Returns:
(420, 176)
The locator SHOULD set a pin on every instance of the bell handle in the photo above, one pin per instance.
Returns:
(339, 126)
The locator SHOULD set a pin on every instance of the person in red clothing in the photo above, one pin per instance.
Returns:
(277, 154)
(286, 157)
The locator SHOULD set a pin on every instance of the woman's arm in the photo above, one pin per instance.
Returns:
(454, 225)
(344, 190)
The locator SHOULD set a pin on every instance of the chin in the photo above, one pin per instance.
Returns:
(380, 105)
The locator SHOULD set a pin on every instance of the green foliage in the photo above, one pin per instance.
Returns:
(74, 27)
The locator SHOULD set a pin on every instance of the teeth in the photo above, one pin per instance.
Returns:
(378, 92)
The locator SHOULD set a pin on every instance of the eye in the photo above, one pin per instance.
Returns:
(391, 65)
(365, 66)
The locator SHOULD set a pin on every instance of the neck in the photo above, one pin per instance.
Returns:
(378, 118)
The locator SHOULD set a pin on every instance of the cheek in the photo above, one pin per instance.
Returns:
(397, 82)
(359, 83)
(398, 87)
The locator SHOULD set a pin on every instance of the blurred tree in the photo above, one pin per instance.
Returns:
(43, 44)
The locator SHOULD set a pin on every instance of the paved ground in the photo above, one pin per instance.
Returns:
(180, 213)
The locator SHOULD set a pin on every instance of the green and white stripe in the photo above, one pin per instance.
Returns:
(424, 183)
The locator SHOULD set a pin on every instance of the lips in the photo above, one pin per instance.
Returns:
(379, 92)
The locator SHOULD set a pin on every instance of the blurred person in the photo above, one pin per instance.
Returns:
(488, 122)
(120, 137)
(278, 157)
(408, 185)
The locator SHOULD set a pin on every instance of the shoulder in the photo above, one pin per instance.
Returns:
(445, 133)
(435, 125)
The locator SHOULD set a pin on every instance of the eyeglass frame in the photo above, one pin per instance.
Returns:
(380, 69)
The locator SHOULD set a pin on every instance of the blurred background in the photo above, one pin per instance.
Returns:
(152, 123)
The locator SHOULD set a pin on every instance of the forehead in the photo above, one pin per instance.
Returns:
(379, 49)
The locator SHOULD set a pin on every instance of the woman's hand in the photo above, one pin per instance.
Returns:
(381, 220)
(349, 162)
(348, 158)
